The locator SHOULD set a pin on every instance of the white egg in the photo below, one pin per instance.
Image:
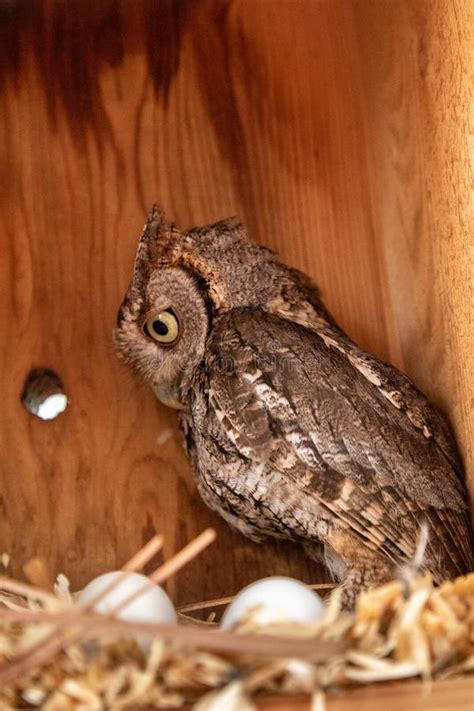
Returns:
(280, 599)
(151, 606)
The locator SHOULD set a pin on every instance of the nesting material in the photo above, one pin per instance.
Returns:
(400, 630)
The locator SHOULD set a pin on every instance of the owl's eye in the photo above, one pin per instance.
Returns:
(162, 327)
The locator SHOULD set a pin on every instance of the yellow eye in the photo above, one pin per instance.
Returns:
(162, 327)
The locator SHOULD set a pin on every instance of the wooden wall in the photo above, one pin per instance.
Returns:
(336, 129)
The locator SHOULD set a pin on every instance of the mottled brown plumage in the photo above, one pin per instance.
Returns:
(292, 430)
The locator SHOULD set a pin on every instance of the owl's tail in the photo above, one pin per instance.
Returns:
(444, 547)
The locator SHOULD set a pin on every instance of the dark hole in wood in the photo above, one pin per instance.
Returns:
(43, 394)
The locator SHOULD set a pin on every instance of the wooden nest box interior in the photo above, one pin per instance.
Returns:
(335, 129)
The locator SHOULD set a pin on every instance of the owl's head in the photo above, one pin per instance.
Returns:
(183, 281)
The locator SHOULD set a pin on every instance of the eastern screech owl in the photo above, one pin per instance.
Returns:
(292, 430)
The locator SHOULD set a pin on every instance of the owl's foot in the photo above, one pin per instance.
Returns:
(359, 580)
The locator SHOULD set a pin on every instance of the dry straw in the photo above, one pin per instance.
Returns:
(400, 630)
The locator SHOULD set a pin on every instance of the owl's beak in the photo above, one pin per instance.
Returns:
(167, 395)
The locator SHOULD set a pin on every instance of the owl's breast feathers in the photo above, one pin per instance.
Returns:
(342, 428)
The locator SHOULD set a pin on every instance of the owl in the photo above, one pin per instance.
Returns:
(293, 432)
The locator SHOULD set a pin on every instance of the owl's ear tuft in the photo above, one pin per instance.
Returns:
(156, 233)
(156, 227)
(156, 217)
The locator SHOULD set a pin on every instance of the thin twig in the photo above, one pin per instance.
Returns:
(195, 606)
(185, 556)
(140, 559)
(27, 590)
(45, 649)
(171, 567)
(37, 655)
(191, 636)
(49, 645)
(135, 563)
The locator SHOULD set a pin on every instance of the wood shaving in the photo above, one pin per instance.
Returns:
(232, 697)
(400, 630)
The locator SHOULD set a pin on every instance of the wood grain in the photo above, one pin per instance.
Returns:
(334, 129)
(418, 66)
(409, 695)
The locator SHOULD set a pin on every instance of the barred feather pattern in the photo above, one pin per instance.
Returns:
(290, 438)
(292, 430)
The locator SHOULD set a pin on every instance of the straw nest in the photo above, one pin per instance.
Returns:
(56, 656)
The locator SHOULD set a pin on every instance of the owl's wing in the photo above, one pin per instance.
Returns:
(287, 397)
